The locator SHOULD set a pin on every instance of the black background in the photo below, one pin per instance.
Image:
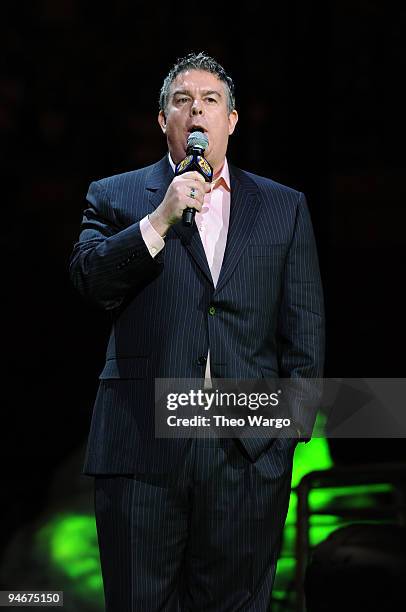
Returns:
(318, 89)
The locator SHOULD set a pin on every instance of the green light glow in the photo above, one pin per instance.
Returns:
(320, 533)
(358, 496)
(313, 455)
(70, 543)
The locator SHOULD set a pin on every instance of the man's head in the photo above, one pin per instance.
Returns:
(198, 94)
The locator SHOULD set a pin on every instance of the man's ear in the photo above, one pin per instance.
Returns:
(162, 121)
(232, 121)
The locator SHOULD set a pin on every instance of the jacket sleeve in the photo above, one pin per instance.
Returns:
(108, 261)
(301, 325)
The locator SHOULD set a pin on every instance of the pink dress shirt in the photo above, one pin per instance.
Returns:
(212, 223)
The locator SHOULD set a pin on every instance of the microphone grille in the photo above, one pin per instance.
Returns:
(197, 139)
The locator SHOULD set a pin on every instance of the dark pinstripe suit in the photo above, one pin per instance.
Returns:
(268, 322)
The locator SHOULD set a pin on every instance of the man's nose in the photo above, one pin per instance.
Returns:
(197, 108)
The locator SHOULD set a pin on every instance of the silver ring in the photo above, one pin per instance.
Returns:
(192, 193)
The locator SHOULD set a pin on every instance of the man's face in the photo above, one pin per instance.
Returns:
(198, 99)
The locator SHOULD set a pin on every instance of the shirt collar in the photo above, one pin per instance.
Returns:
(223, 179)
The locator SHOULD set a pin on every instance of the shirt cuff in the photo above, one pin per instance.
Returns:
(152, 239)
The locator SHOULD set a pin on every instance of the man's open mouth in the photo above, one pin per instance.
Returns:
(196, 128)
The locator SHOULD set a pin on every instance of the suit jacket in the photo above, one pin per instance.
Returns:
(268, 316)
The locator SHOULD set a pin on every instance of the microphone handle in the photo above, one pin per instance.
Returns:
(188, 216)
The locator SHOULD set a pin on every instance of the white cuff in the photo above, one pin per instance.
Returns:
(152, 239)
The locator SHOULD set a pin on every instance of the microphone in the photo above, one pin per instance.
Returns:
(194, 161)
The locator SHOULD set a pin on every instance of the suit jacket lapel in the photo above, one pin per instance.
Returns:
(159, 180)
(244, 208)
(191, 240)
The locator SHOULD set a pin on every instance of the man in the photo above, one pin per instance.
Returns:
(194, 525)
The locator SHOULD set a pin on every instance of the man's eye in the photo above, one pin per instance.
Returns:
(182, 100)
(211, 100)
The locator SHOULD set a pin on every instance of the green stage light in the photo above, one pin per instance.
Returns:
(70, 543)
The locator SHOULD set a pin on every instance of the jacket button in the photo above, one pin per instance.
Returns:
(202, 360)
(212, 311)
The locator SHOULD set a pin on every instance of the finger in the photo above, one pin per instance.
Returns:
(202, 186)
(193, 175)
(195, 191)
(200, 178)
(194, 204)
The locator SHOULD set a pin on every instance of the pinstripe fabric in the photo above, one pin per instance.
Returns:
(206, 540)
(268, 300)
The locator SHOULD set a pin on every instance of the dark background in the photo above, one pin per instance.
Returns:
(318, 92)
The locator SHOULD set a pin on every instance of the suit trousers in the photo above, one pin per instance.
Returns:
(203, 539)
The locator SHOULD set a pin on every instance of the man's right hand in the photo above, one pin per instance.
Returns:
(177, 198)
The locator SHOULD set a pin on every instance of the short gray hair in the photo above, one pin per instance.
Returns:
(197, 61)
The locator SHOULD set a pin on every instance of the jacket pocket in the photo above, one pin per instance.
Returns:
(125, 368)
